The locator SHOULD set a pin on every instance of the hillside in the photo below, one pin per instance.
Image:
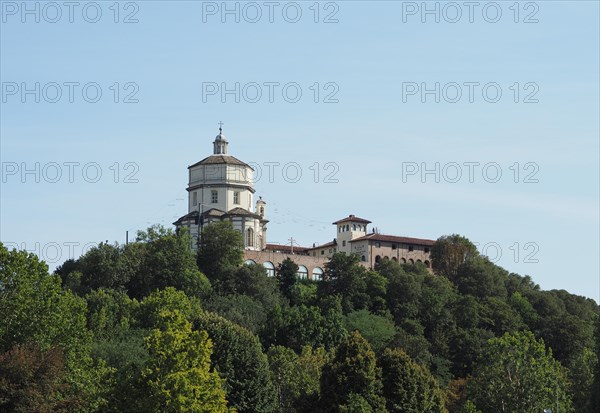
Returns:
(151, 326)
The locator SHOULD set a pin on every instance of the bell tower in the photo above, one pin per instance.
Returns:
(261, 207)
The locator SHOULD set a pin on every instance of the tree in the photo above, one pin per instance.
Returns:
(161, 258)
(121, 340)
(469, 407)
(379, 331)
(522, 306)
(595, 395)
(410, 338)
(310, 368)
(126, 353)
(438, 296)
(456, 395)
(466, 346)
(356, 404)
(102, 266)
(35, 309)
(345, 277)
(581, 375)
(564, 321)
(451, 251)
(118, 340)
(220, 252)
(481, 278)
(352, 378)
(178, 372)
(32, 380)
(70, 275)
(240, 309)
(498, 316)
(408, 387)
(567, 335)
(239, 359)
(168, 299)
(252, 280)
(376, 289)
(287, 271)
(109, 312)
(521, 284)
(309, 325)
(283, 362)
(403, 290)
(296, 377)
(516, 374)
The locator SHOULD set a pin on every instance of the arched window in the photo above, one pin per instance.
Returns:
(386, 258)
(270, 268)
(420, 262)
(411, 261)
(364, 258)
(249, 262)
(302, 272)
(262, 211)
(317, 274)
(403, 260)
(377, 258)
(250, 237)
(394, 259)
(427, 264)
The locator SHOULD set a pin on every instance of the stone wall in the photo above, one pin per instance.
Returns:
(310, 262)
(260, 257)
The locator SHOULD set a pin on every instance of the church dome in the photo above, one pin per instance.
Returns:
(221, 137)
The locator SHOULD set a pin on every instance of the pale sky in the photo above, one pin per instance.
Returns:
(367, 120)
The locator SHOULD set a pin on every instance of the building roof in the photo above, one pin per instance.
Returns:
(286, 249)
(220, 160)
(243, 212)
(327, 244)
(352, 218)
(214, 212)
(187, 217)
(394, 238)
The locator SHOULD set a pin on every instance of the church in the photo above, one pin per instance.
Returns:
(221, 187)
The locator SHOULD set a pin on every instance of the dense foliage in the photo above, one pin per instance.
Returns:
(151, 326)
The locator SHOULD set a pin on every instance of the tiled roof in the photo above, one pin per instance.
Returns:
(187, 217)
(327, 244)
(242, 211)
(214, 212)
(352, 218)
(393, 238)
(220, 160)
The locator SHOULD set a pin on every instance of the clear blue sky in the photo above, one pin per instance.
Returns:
(373, 135)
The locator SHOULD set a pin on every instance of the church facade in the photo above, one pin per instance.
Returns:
(220, 187)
